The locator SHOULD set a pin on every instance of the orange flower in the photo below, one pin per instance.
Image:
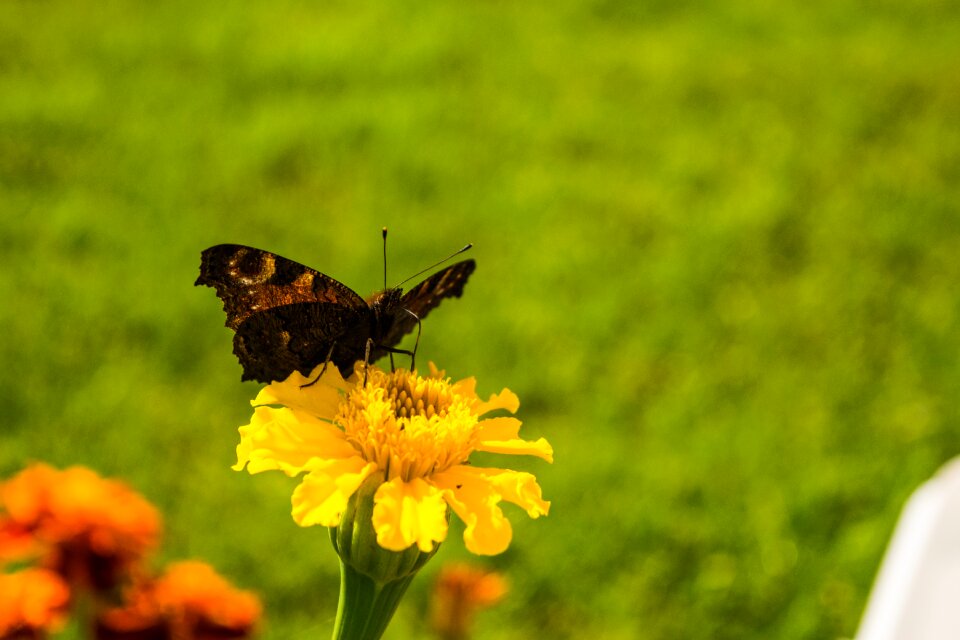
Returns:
(90, 530)
(32, 602)
(189, 602)
(461, 591)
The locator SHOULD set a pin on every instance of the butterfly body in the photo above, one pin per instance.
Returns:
(289, 317)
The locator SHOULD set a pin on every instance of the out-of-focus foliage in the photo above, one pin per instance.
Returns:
(718, 248)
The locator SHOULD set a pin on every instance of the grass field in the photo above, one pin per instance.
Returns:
(718, 250)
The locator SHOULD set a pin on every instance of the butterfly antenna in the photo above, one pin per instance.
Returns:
(455, 253)
(392, 366)
(384, 257)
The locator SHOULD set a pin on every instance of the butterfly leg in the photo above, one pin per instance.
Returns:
(366, 359)
(392, 350)
(416, 344)
(326, 361)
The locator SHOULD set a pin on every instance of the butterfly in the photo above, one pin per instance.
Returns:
(289, 317)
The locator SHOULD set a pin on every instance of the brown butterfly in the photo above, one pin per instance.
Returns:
(288, 317)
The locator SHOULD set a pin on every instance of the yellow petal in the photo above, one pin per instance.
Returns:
(501, 435)
(405, 513)
(322, 495)
(319, 399)
(466, 387)
(473, 497)
(287, 440)
(540, 448)
(519, 488)
(506, 399)
(498, 429)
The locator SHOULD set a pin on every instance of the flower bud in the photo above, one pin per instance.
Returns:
(355, 540)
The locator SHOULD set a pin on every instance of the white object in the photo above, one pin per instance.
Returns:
(917, 592)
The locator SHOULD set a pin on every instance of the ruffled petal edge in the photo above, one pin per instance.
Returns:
(501, 435)
(474, 499)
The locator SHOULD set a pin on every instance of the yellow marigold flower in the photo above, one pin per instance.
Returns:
(410, 435)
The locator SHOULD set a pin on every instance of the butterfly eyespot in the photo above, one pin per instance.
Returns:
(252, 267)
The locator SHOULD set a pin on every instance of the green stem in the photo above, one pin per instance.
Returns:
(366, 606)
(372, 579)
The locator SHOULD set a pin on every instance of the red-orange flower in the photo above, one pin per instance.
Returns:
(32, 602)
(91, 530)
(461, 591)
(189, 602)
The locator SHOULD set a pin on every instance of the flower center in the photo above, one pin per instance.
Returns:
(410, 426)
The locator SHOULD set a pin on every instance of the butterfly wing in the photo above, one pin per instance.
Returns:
(250, 281)
(274, 343)
(287, 316)
(421, 299)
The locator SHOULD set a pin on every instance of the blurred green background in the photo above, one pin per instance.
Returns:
(718, 250)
